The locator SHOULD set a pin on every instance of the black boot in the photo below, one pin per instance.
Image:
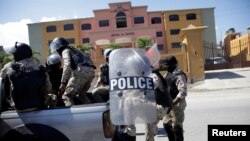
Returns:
(169, 131)
(121, 136)
(178, 132)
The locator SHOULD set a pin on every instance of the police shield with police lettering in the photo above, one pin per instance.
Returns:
(132, 97)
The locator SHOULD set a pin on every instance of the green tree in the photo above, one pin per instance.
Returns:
(113, 45)
(35, 56)
(143, 42)
(5, 58)
(85, 47)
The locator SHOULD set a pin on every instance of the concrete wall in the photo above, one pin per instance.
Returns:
(207, 19)
(36, 40)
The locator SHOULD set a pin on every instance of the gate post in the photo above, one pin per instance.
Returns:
(192, 38)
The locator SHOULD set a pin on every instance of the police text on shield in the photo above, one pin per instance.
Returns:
(123, 83)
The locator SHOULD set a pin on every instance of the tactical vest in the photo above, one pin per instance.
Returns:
(104, 68)
(80, 58)
(162, 97)
(55, 76)
(171, 86)
(27, 91)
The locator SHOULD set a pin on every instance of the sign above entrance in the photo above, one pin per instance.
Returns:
(122, 34)
(123, 40)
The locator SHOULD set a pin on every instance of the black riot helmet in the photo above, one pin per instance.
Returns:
(20, 51)
(171, 63)
(58, 43)
(54, 59)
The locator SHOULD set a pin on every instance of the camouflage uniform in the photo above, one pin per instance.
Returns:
(176, 115)
(78, 81)
(101, 92)
(173, 121)
(151, 128)
(28, 65)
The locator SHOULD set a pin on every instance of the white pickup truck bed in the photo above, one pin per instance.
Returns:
(89, 122)
(78, 123)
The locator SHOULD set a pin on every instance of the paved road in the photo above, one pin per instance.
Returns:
(212, 107)
(222, 98)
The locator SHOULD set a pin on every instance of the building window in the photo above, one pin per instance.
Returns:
(191, 16)
(121, 20)
(174, 17)
(138, 20)
(103, 23)
(68, 27)
(160, 47)
(174, 31)
(51, 28)
(85, 40)
(176, 45)
(159, 34)
(71, 40)
(156, 20)
(86, 26)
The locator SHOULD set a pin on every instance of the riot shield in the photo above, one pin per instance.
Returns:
(132, 98)
(153, 55)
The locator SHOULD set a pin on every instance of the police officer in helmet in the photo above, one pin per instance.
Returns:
(29, 83)
(101, 90)
(177, 88)
(55, 70)
(78, 71)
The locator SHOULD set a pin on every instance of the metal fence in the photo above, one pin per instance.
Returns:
(222, 57)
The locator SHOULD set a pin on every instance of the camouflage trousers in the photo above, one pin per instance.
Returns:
(101, 93)
(176, 116)
(78, 85)
(151, 128)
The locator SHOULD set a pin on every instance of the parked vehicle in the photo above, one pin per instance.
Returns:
(216, 60)
(89, 122)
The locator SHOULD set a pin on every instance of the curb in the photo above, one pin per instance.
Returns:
(219, 89)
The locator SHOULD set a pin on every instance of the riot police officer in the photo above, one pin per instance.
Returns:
(177, 87)
(78, 71)
(163, 103)
(55, 70)
(101, 90)
(29, 83)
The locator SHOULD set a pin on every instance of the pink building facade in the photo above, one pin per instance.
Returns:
(122, 24)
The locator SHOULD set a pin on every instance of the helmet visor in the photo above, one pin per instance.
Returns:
(54, 46)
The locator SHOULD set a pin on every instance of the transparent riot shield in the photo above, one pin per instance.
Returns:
(132, 98)
(153, 55)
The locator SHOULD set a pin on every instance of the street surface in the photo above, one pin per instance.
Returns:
(230, 106)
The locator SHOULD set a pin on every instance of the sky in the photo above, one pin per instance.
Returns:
(16, 14)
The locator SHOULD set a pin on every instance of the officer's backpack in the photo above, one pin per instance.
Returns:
(28, 91)
(162, 97)
(80, 58)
